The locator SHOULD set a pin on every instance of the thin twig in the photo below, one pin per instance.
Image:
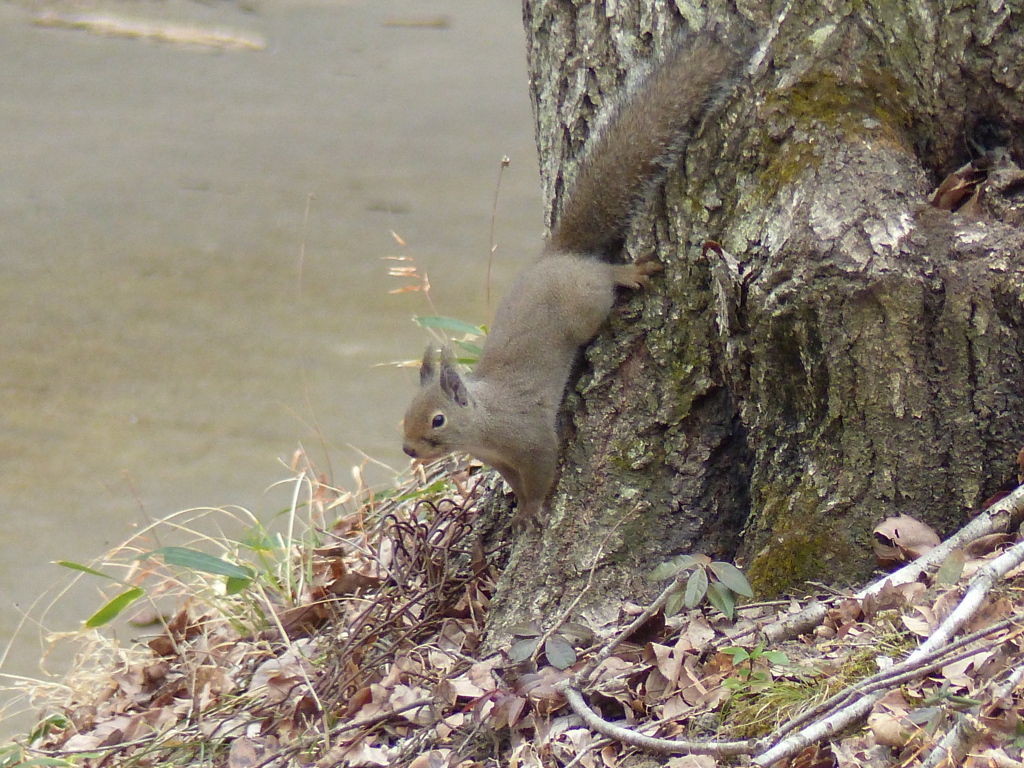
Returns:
(598, 744)
(588, 670)
(337, 730)
(494, 215)
(300, 658)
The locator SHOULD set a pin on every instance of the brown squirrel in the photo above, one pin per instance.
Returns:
(504, 413)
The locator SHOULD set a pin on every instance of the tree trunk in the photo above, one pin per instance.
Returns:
(849, 352)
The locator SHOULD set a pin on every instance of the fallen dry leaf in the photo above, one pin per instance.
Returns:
(903, 538)
(242, 753)
(691, 761)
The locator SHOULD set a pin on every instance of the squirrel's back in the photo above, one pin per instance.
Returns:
(505, 412)
(643, 139)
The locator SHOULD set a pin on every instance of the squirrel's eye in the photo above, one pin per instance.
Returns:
(438, 421)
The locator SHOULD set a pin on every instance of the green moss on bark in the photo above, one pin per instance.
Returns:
(801, 544)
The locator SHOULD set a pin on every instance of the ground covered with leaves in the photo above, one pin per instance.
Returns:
(362, 643)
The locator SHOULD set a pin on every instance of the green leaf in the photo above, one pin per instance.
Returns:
(775, 657)
(195, 560)
(449, 324)
(235, 585)
(734, 684)
(732, 577)
(474, 350)
(84, 569)
(560, 654)
(523, 649)
(437, 486)
(10, 756)
(696, 588)
(259, 540)
(674, 603)
(43, 728)
(526, 629)
(684, 562)
(671, 568)
(739, 655)
(722, 598)
(963, 701)
(579, 635)
(667, 570)
(113, 607)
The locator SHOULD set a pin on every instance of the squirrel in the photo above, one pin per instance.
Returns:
(505, 412)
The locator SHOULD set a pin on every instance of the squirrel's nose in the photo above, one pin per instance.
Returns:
(410, 452)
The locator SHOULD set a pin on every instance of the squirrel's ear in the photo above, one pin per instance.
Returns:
(428, 371)
(451, 382)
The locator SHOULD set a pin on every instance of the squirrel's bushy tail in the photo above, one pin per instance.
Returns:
(644, 138)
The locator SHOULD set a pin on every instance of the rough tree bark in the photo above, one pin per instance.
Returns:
(853, 354)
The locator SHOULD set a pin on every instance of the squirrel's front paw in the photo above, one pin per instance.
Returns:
(644, 270)
(636, 275)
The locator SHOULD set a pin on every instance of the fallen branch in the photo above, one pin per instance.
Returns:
(648, 743)
(955, 744)
(1008, 686)
(897, 674)
(980, 585)
(998, 518)
(569, 688)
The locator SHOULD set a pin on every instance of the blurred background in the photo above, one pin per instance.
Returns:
(192, 245)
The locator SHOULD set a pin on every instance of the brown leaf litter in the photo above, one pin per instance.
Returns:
(375, 660)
